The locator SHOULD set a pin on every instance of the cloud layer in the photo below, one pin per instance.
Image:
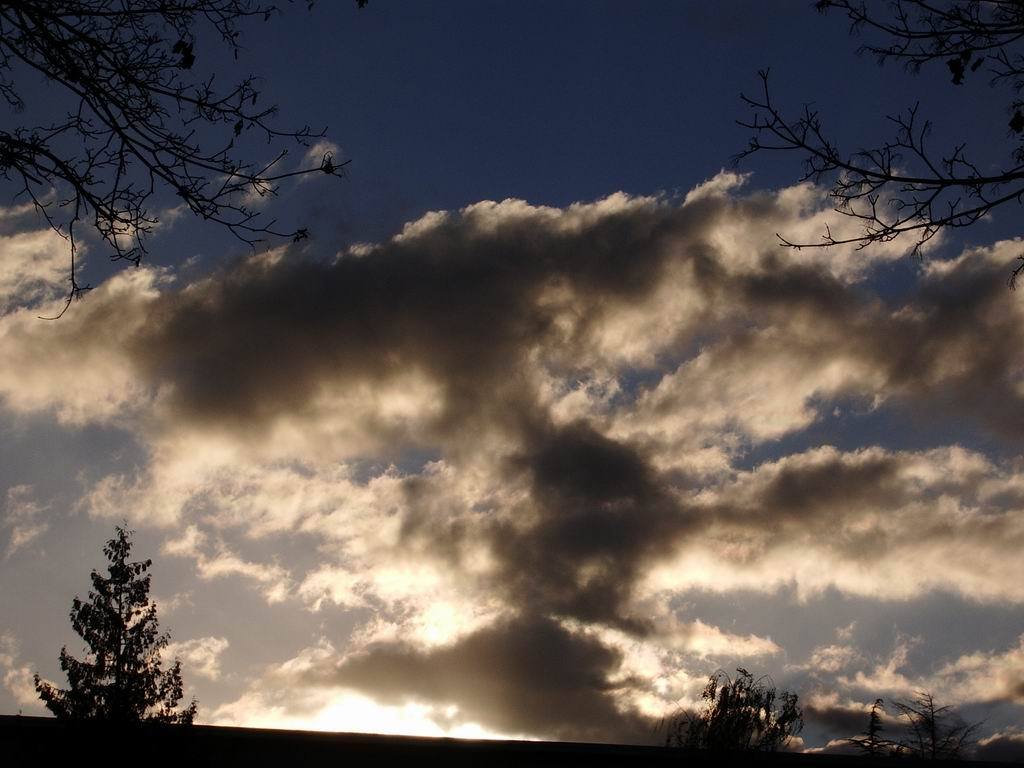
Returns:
(518, 436)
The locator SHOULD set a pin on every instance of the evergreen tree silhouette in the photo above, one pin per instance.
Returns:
(871, 742)
(121, 678)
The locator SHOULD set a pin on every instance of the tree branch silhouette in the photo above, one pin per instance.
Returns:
(903, 185)
(934, 732)
(138, 121)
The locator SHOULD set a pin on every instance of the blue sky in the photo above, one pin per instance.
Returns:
(560, 102)
(542, 384)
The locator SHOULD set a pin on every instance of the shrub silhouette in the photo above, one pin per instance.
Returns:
(739, 713)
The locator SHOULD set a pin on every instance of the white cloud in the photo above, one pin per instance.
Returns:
(757, 387)
(748, 229)
(721, 185)
(80, 369)
(216, 560)
(704, 640)
(315, 155)
(829, 659)
(174, 602)
(17, 677)
(22, 516)
(34, 267)
(983, 676)
(350, 712)
(200, 656)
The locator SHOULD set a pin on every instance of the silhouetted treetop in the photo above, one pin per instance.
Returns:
(121, 678)
(141, 114)
(934, 732)
(871, 742)
(739, 713)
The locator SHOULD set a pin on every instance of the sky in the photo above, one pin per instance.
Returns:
(541, 427)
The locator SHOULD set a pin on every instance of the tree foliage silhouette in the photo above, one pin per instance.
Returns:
(902, 185)
(739, 713)
(121, 678)
(934, 732)
(139, 118)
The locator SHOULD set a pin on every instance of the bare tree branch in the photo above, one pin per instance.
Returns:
(934, 732)
(904, 185)
(137, 122)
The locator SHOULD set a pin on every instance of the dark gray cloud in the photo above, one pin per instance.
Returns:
(1005, 746)
(823, 489)
(819, 494)
(601, 515)
(462, 300)
(838, 721)
(478, 302)
(522, 675)
(595, 517)
(957, 346)
(458, 304)
(598, 514)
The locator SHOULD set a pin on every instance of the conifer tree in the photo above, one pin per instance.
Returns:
(121, 678)
(871, 742)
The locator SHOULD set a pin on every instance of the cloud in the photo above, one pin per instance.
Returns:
(354, 355)
(17, 678)
(835, 714)
(872, 522)
(976, 677)
(34, 266)
(80, 370)
(705, 640)
(174, 602)
(200, 655)
(352, 712)
(278, 699)
(22, 516)
(516, 429)
(888, 676)
(834, 747)
(315, 155)
(719, 186)
(984, 676)
(600, 514)
(1003, 746)
(745, 229)
(757, 386)
(521, 675)
(213, 561)
(829, 659)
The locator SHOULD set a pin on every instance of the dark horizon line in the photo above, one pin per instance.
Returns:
(30, 737)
